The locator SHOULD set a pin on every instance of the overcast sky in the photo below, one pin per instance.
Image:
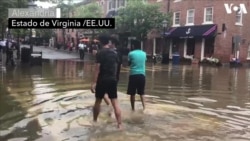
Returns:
(49, 4)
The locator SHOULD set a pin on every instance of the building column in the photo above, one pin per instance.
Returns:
(141, 45)
(202, 48)
(201, 77)
(154, 46)
(170, 49)
(185, 48)
(116, 5)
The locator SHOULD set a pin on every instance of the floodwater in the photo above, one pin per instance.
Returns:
(184, 103)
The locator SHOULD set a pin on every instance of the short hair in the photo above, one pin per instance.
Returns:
(114, 39)
(104, 39)
(136, 44)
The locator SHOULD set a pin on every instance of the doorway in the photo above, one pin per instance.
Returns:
(190, 46)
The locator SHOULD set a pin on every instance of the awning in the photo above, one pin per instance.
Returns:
(111, 14)
(202, 31)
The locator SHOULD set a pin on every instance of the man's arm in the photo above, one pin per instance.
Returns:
(96, 74)
(97, 70)
(129, 59)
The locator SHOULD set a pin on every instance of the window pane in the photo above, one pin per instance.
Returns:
(177, 18)
(191, 13)
(209, 14)
(238, 18)
(121, 3)
(209, 11)
(190, 20)
(113, 4)
(209, 18)
(110, 5)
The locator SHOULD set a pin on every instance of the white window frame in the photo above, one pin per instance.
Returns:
(205, 16)
(248, 52)
(174, 18)
(119, 5)
(240, 14)
(109, 5)
(188, 16)
(177, 0)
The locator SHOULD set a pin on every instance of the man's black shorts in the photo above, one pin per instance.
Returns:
(136, 84)
(106, 86)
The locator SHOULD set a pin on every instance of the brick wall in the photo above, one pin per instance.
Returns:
(223, 44)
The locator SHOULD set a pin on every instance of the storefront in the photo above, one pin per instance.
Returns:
(192, 41)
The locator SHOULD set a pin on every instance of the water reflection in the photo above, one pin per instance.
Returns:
(53, 102)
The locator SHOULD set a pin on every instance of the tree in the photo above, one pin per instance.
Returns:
(4, 5)
(139, 18)
(66, 9)
(90, 10)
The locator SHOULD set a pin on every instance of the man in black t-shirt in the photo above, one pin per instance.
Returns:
(114, 45)
(105, 79)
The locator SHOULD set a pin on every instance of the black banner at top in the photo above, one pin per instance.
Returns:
(88, 23)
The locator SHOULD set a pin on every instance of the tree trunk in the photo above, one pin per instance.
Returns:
(93, 34)
(18, 44)
(2, 30)
(63, 34)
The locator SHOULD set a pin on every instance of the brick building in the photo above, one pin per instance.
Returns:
(203, 28)
(73, 35)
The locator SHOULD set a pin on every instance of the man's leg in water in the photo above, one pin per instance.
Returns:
(112, 93)
(132, 90)
(141, 89)
(132, 101)
(106, 99)
(117, 110)
(96, 108)
(143, 101)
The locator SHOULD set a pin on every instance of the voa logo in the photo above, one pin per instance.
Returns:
(241, 8)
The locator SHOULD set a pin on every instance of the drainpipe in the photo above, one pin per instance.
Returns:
(168, 6)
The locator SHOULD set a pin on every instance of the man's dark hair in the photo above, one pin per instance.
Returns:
(114, 39)
(104, 39)
(136, 44)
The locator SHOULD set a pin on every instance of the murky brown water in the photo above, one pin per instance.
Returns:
(191, 103)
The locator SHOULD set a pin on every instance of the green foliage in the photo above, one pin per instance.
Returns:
(66, 8)
(91, 10)
(139, 18)
(22, 32)
(4, 5)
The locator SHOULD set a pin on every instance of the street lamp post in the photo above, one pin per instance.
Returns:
(31, 4)
(165, 58)
(164, 25)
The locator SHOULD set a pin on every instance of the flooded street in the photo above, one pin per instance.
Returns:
(184, 103)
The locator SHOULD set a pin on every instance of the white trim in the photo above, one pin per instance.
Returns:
(116, 4)
(141, 45)
(174, 17)
(188, 16)
(154, 46)
(189, 24)
(185, 49)
(177, 0)
(205, 14)
(208, 23)
(241, 19)
(239, 24)
(248, 51)
(202, 48)
(171, 49)
(177, 25)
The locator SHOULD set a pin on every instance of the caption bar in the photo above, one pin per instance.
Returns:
(108, 23)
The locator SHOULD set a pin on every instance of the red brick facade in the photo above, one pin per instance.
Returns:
(223, 40)
(222, 43)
